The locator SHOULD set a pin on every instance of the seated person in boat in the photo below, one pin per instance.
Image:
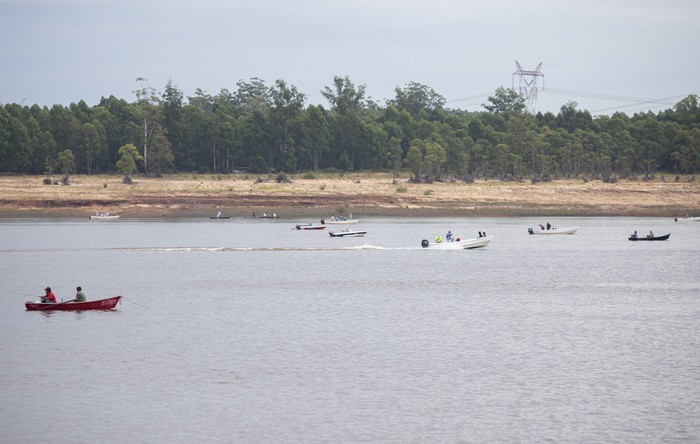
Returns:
(79, 295)
(635, 235)
(549, 226)
(650, 235)
(49, 296)
(438, 239)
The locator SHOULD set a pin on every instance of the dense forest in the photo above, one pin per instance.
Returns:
(261, 128)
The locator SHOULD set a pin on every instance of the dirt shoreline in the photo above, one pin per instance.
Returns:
(363, 194)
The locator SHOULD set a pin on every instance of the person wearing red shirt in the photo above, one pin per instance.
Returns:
(49, 296)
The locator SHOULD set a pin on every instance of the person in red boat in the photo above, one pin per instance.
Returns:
(49, 296)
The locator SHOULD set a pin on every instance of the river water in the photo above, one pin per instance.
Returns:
(249, 331)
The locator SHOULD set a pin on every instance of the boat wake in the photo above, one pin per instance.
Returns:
(235, 249)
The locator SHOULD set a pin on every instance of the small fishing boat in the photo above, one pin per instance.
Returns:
(219, 217)
(466, 244)
(339, 221)
(347, 233)
(310, 227)
(268, 216)
(553, 230)
(649, 238)
(105, 216)
(101, 304)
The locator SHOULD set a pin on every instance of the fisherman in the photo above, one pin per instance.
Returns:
(79, 295)
(438, 239)
(448, 236)
(49, 296)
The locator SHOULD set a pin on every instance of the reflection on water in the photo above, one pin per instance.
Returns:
(248, 332)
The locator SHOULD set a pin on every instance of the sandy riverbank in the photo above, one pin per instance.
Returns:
(186, 195)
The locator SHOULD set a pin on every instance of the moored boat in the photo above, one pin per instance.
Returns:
(219, 217)
(347, 233)
(100, 304)
(466, 244)
(309, 227)
(553, 230)
(649, 237)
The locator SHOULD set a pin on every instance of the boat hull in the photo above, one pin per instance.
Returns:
(310, 227)
(568, 230)
(466, 244)
(339, 221)
(655, 238)
(93, 217)
(687, 219)
(101, 304)
(347, 233)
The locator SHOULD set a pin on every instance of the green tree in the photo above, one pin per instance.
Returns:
(128, 156)
(65, 162)
(505, 101)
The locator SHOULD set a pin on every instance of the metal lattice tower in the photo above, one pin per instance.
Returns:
(527, 84)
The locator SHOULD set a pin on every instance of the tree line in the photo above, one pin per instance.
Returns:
(261, 128)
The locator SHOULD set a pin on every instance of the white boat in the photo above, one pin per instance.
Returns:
(339, 221)
(687, 219)
(347, 233)
(105, 216)
(553, 230)
(465, 244)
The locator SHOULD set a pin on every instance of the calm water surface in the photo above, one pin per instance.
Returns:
(248, 331)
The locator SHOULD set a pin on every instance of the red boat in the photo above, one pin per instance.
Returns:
(102, 304)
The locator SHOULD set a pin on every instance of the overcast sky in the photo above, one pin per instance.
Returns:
(606, 55)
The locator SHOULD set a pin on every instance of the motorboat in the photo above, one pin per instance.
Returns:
(310, 227)
(105, 216)
(335, 220)
(553, 230)
(347, 233)
(458, 244)
(687, 219)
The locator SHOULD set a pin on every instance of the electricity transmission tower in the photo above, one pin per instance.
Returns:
(527, 84)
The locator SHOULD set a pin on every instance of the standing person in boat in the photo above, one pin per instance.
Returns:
(549, 226)
(79, 295)
(635, 235)
(49, 296)
(448, 236)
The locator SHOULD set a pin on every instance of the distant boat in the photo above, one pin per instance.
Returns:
(268, 216)
(310, 227)
(554, 230)
(466, 244)
(347, 233)
(649, 238)
(687, 219)
(105, 216)
(219, 217)
(339, 221)
(101, 304)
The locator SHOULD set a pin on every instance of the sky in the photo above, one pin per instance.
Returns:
(605, 55)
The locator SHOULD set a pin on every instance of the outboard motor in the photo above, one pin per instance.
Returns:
(424, 243)
(323, 222)
(298, 227)
(531, 231)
